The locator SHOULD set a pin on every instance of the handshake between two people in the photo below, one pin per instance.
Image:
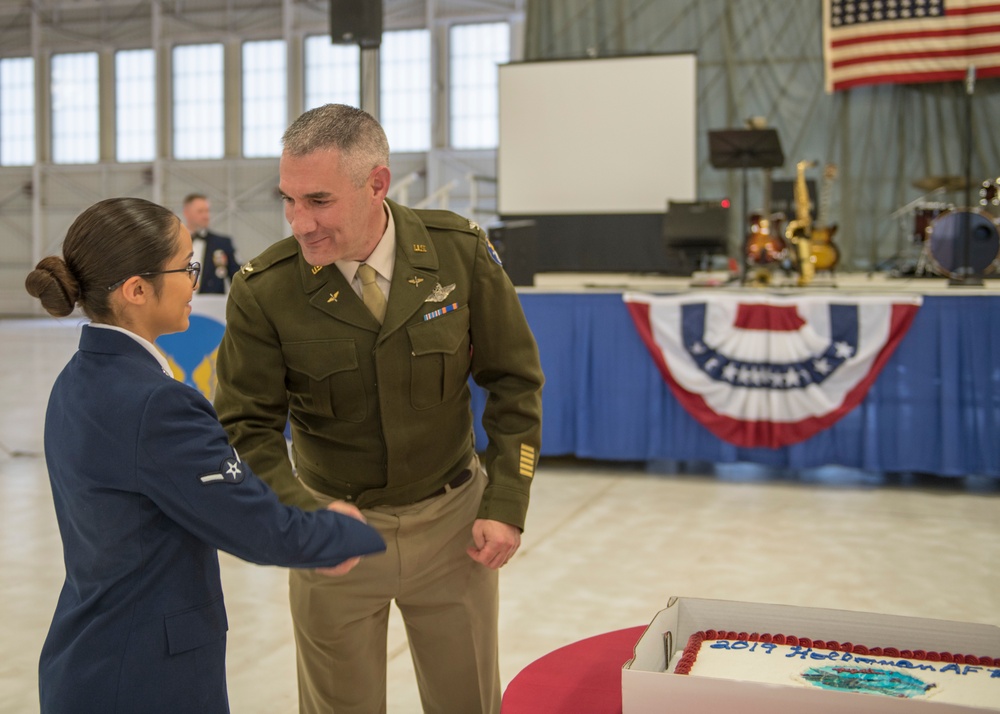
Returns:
(347, 509)
(494, 542)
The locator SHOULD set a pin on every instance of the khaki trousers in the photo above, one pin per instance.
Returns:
(449, 605)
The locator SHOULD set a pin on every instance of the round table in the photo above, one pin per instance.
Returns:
(584, 676)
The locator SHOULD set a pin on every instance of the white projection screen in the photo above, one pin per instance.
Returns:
(590, 136)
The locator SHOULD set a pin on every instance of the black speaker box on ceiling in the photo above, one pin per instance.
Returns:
(356, 22)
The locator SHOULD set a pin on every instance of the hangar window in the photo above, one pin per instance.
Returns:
(75, 114)
(333, 74)
(17, 111)
(405, 84)
(264, 97)
(198, 106)
(135, 105)
(475, 52)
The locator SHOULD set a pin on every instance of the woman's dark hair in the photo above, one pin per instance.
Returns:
(109, 242)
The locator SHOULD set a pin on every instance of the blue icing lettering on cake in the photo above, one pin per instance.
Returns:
(867, 679)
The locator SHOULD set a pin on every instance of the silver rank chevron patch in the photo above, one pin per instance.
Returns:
(230, 471)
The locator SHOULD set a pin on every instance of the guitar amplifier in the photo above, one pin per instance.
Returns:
(697, 224)
(694, 232)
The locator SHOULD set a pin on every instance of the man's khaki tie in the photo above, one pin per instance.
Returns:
(371, 294)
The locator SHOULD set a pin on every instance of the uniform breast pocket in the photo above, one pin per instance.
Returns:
(323, 377)
(439, 358)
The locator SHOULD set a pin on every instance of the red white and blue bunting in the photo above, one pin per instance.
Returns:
(770, 370)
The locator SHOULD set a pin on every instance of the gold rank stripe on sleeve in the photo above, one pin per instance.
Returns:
(527, 461)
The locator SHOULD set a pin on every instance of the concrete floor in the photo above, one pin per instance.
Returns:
(605, 547)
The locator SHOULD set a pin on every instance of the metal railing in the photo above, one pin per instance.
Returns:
(400, 192)
(441, 198)
(474, 181)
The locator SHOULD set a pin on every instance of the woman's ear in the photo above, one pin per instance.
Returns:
(135, 291)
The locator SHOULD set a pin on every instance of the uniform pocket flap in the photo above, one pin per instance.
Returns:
(442, 335)
(319, 359)
(196, 627)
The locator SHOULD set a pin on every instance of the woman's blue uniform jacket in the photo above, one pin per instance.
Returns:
(146, 487)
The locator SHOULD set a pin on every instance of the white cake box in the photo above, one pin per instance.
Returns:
(647, 688)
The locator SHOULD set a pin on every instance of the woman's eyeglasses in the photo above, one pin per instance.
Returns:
(193, 269)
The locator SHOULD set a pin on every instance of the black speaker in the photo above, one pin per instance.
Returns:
(516, 242)
(697, 224)
(694, 232)
(356, 22)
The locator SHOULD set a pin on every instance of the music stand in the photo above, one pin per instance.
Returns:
(745, 149)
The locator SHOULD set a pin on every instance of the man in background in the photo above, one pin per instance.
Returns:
(215, 252)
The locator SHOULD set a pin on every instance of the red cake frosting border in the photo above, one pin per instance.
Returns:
(694, 642)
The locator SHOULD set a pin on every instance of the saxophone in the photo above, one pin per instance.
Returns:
(799, 231)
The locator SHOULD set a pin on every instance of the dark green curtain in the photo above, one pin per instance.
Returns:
(764, 58)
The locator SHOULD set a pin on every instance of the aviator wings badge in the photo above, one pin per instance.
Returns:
(440, 293)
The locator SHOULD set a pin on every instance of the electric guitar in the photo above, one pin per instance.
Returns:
(825, 254)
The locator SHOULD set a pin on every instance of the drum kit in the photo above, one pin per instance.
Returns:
(953, 241)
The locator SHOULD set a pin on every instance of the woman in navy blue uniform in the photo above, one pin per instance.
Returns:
(146, 485)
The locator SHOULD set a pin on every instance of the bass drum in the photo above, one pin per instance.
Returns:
(963, 242)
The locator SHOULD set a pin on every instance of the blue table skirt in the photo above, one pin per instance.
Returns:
(935, 408)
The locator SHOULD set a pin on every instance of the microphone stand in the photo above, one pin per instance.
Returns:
(966, 274)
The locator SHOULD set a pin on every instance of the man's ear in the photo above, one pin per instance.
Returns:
(380, 182)
(135, 291)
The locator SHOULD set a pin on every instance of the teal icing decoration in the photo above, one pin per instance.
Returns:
(868, 680)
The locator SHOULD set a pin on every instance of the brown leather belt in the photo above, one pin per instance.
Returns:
(462, 477)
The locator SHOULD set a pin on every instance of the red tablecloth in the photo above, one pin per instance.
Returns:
(584, 677)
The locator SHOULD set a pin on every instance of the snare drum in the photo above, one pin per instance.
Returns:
(963, 242)
(924, 215)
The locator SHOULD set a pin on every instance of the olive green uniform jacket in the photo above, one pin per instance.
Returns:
(380, 414)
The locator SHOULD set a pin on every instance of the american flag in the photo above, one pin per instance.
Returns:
(897, 41)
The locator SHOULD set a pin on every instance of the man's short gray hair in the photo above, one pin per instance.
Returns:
(355, 133)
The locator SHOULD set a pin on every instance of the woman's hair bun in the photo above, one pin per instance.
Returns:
(53, 284)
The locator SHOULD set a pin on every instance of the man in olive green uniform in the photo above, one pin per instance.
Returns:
(362, 330)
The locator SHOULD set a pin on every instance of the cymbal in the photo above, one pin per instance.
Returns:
(934, 183)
